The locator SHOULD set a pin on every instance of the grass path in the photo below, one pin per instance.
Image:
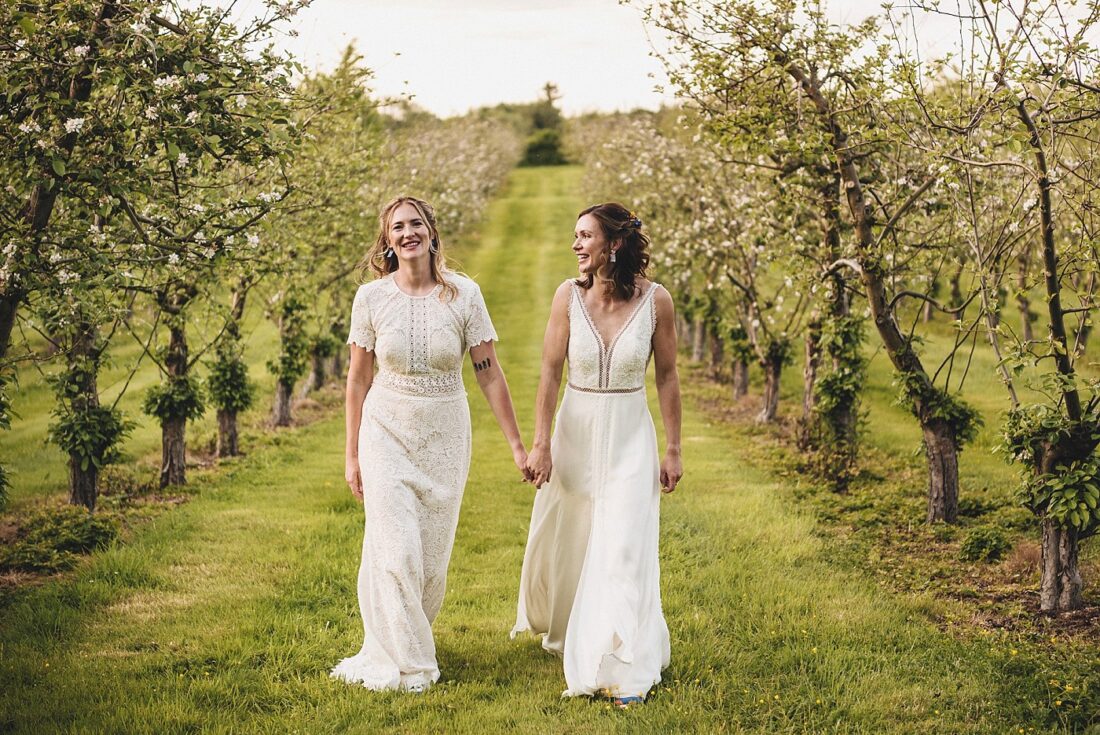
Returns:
(224, 615)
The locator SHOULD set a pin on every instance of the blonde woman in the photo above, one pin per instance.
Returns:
(408, 438)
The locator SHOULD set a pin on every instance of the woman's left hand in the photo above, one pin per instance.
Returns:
(672, 469)
(519, 456)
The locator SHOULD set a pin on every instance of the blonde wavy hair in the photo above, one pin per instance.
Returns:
(375, 261)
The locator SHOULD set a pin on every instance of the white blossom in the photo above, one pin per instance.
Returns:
(166, 83)
(182, 159)
(201, 76)
(192, 117)
(151, 113)
(253, 240)
(29, 126)
(174, 259)
(78, 52)
(74, 124)
(240, 101)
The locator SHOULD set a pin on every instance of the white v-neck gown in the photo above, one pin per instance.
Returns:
(591, 581)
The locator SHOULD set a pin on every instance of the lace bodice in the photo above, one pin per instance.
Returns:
(616, 367)
(419, 341)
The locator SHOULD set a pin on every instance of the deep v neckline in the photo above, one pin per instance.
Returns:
(607, 348)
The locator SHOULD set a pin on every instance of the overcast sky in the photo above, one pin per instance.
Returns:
(454, 55)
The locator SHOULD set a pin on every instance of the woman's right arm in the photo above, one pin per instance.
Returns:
(554, 346)
(360, 375)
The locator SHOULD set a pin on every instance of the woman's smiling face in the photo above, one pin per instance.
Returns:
(589, 244)
(409, 234)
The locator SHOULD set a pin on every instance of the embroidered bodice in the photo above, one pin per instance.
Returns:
(617, 367)
(419, 341)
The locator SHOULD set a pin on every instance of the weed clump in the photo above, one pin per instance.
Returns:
(52, 540)
(984, 543)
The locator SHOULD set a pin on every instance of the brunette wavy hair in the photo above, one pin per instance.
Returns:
(631, 259)
(375, 261)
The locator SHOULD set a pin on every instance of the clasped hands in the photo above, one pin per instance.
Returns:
(539, 465)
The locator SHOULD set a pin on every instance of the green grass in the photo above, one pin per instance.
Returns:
(225, 614)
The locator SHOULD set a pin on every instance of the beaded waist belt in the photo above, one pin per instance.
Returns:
(606, 390)
(432, 385)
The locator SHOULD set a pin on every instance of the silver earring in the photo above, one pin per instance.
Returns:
(434, 246)
(389, 252)
(612, 256)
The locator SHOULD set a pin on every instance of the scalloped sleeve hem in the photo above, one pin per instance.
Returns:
(362, 328)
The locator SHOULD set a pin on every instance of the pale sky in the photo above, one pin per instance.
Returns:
(455, 55)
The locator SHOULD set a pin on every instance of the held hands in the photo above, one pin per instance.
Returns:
(519, 456)
(351, 476)
(539, 465)
(672, 469)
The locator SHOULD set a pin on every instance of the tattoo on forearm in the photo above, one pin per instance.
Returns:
(483, 365)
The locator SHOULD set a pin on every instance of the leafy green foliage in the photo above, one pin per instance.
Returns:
(984, 543)
(176, 398)
(324, 344)
(228, 384)
(89, 433)
(293, 357)
(838, 391)
(1061, 466)
(544, 149)
(931, 403)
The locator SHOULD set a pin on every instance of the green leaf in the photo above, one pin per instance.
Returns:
(28, 25)
(58, 166)
(173, 150)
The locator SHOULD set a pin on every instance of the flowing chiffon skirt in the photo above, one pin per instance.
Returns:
(591, 580)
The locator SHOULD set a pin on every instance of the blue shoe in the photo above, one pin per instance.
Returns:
(627, 702)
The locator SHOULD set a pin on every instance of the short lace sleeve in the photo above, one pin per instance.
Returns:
(362, 329)
(479, 327)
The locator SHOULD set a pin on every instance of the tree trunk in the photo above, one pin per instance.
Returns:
(1084, 325)
(773, 368)
(683, 331)
(940, 445)
(83, 368)
(228, 444)
(717, 355)
(1027, 316)
(943, 472)
(173, 470)
(338, 365)
(698, 339)
(809, 380)
(281, 413)
(956, 293)
(83, 484)
(317, 374)
(1061, 586)
(740, 379)
(173, 452)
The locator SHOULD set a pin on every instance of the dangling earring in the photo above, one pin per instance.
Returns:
(434, 246)
(389, 253)
(612, 256)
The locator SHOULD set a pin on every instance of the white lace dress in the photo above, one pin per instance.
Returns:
(414, 455)
(590, 581)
